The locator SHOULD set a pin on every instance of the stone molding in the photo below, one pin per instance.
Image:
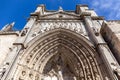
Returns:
(9, 33)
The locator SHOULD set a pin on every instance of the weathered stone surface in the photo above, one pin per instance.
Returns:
(61, 45)
(111, 33)
(6, 45)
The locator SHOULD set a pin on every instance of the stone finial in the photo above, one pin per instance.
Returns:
(60, 8)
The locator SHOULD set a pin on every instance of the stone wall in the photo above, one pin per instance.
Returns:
(111, 33)
(6, 45)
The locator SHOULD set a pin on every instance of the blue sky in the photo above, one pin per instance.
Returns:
(19, 10)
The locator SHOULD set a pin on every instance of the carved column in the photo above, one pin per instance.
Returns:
(101, 46)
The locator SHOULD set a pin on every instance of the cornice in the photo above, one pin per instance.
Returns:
(97, 17)
(9, 33)
(60, 18)
(66, 13)
(113, 20)
(75, 16)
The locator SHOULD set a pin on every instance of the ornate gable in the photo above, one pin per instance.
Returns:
(60, 15)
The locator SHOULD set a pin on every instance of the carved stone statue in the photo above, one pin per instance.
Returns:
(37, 77)
(106, 78)
(3, 69)
(24, 32)
(30, 76)
(2, 72)
(98, 77)
(116, 70)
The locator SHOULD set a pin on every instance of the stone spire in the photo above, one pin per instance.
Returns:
(8, 27)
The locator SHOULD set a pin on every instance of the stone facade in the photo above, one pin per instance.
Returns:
(61, 45)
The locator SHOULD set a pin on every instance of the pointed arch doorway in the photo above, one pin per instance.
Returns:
(59, 55)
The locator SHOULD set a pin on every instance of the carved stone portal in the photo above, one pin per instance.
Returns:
(59, 68)
(59, 57)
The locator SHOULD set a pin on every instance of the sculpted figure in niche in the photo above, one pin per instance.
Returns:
(51, 76)
(97, 77)
(3, 69)
(106, 78)
(67, 25)
(42, 27)
(62, 25)
(78, 28)
(48, 28)
(2, 72)
(89, 78)
(24, 32)
(34, 34)
(51, 27)
(72, 26)
(116, 70)
(37, 77)
(55, 25)
(31, 76)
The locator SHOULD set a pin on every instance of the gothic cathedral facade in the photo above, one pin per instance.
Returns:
(61, 45)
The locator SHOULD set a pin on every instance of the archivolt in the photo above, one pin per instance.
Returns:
(80, 56)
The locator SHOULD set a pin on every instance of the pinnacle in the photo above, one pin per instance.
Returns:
(60, 8)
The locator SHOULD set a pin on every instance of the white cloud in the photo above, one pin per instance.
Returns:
(110, 7)
(106, 6)
(118, 14)
(95, 3)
